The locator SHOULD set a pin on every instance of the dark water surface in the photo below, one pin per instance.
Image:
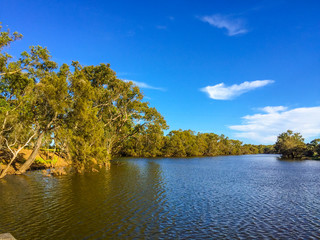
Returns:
(235, 197)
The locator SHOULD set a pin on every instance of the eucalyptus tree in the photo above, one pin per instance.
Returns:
(81, 136)
(120, 107)
(313, 148)
(17, 129)
(16, 99)
(104, 113)
(33, 97)
(182, 143)
(316, 146)
(211, 141)
(152, 141)
(290, 145)
(51, 99)
(148, 143)
(6, 68)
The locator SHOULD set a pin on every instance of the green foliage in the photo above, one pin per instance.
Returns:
(313, 149)
(186, 143)
(104, 112)
(41, 161)
(290, 145)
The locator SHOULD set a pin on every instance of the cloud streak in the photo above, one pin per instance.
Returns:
(223, 92)
(143, 85)
(234, 26)
(265, 127)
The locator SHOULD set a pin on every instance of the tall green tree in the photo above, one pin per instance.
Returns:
(51, 99)
(313, 148)
(105, 112)
(81, 136)
(33, 97)
(290, 145)
(16, 99)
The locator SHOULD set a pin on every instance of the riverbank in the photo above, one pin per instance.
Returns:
(46, 159)
(53, 164)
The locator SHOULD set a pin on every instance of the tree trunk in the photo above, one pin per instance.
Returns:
(4, 172)
(33, 155)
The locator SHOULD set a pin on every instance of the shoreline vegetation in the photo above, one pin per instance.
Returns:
(75, 115)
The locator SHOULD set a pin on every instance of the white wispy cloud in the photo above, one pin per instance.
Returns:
(234, 26)
(143, 85)
(270, 109)
(265, 127)
(223, 92)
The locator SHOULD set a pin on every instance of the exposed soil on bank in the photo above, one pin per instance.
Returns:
(44, 160)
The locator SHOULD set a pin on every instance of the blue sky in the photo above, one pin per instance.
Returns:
(246, 69)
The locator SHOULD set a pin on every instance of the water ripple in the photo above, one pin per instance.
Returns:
(242, 197)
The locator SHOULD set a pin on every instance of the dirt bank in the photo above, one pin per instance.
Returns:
(44, 160)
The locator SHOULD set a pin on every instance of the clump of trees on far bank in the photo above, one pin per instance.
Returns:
(87, 114)
(291, 146)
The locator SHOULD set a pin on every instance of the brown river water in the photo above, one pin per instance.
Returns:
(233, 197)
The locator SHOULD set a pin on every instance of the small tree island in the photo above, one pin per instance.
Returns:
(291, 146)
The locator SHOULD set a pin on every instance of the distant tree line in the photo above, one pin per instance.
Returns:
(86, 113)
(187, 143)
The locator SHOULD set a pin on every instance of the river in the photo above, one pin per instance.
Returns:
(235, 197)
